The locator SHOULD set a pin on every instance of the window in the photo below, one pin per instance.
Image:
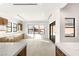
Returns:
(9, 27)
(36, 29)
(42, 29)
(69, 27)
(30, 29)
(14, 27)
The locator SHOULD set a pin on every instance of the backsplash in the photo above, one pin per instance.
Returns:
(2, 28)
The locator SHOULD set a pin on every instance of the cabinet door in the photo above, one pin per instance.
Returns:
(1, 21)
(5, 21)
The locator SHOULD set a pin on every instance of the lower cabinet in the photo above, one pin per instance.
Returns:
(59, 52)
(23, 52)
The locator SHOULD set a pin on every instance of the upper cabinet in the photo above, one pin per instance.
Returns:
(3, 21)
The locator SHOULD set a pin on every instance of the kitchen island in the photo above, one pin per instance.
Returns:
(67, 49)
(13, 48)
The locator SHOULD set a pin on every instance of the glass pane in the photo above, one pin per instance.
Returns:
(31, 32)
(9, 24)
(41, 26)
(14, 25)
(42, 29)
(69, 22)
(9, 30)
(30, 29)
(14, 29)
(69, 31)
(36, 29)
(51, 30)
(54, 30)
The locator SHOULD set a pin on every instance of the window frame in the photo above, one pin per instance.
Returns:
(73, 19)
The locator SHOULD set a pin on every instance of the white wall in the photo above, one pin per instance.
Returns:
(45, 23)
(56, 17)
(71, 10)
(58, 26)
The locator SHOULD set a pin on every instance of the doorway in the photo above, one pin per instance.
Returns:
(52, 31)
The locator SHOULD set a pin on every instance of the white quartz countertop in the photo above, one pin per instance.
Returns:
(70, 49)
(12, 48)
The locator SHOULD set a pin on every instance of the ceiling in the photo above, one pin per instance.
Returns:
(39, 12)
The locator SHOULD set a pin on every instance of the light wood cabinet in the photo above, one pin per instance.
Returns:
(3, 21)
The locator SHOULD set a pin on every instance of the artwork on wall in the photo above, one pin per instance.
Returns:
(69, 27)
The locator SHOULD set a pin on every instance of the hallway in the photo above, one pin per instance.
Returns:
(40, 47)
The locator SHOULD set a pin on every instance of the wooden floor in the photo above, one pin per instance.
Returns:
(40, 47)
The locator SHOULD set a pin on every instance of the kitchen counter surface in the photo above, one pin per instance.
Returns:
(12, 48)
(69, 49)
